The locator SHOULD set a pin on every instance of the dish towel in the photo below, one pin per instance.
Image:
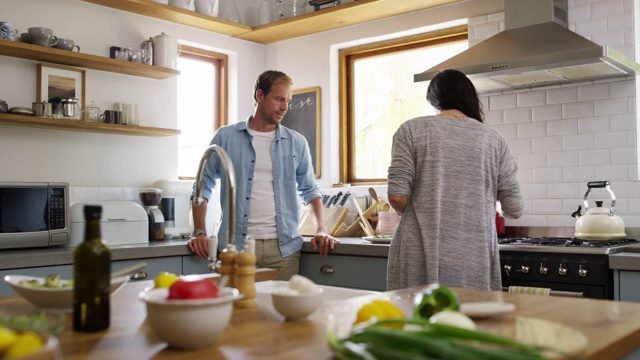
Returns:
(529, 290)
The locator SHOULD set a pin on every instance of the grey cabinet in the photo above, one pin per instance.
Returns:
(171, 264)
(192, 264)
(357, 272)
(626, 285)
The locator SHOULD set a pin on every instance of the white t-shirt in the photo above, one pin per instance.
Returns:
(262, 209)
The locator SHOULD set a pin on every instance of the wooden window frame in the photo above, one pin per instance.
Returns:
(347, 57)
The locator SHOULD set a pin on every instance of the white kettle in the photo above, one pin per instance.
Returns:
(598, 223)
(165, 51)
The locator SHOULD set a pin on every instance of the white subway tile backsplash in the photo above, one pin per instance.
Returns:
(610, 140)
(520, 115)
(531, 98)
(578, 174)
(493, 117)
(531, 130)
(620, 89)
(593, 125)
(534, 191)
(524, 176)
(578, 142)
(562, 127)
(82, 193)
(607, 8)
(549, 112)
(594, 92)
(518, 146)
(507, 131)
(592, 26)
(532, 160)
(577, 109)
(533, 220)
(486, 30)
(109, 194)
(545, 144)
(579, 13)
(563, 190)
(562, 95)
(626, 189)
(499, 17)
(620, 22)
(501, 102)
(623, 122)
(614, 39)
(626, 156)
(611, 106)
(563, 158)
(611, 172)
(595, 157)
(546, 206)
(547, 175)
(563, 220)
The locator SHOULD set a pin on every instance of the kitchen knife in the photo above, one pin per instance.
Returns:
(340, 214)
(335, 201)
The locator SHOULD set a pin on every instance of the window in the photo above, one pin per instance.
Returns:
(202, 94)
(378, 94)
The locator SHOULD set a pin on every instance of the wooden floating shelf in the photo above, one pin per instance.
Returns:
(66, 57)
(176, 15)
(334, 17)
(83, 126)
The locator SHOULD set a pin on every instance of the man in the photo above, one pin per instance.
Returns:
(272, 166)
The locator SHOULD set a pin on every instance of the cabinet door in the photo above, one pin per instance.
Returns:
(65, 272)
(357, 272)
(171, 264)
(628, 286)
(192, 264)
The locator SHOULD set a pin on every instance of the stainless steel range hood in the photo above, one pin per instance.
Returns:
(536, 49)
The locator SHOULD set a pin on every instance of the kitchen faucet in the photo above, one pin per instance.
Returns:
(231, 199)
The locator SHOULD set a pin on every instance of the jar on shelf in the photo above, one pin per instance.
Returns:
(92, 112)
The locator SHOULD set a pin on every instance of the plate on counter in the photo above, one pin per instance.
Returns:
(486, 309)
(379, 240)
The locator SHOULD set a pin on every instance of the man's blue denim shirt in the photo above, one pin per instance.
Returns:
(293, 176)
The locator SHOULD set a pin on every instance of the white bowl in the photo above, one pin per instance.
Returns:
(52, 298)
(296, 306)
(189, 324)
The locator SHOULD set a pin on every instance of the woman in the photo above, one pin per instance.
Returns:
(447, 172)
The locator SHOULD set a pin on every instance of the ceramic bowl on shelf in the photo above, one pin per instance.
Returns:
(52, 298)
(189, 324)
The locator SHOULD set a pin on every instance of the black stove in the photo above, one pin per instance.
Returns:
(567, 265)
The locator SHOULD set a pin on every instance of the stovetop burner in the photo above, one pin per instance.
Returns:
(563, 244)
(560, 241)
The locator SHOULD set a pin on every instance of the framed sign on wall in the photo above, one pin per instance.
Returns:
(304, 117)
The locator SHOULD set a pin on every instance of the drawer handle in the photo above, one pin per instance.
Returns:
(139, 275)
(327, 269)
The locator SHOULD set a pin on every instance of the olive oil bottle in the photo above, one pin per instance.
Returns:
(91, 276)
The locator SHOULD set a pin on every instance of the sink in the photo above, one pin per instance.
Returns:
(330, 293)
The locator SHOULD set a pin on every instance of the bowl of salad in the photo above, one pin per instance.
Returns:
(51, 292)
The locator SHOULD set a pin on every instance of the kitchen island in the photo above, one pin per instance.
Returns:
(612, 329)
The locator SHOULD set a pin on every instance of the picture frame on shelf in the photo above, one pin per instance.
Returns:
(61, 81)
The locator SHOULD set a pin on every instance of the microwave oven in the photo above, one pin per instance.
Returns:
(33, 214)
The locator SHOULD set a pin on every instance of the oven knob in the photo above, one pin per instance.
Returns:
(543, 269)
(583, 272)
(562, 270)
(524, 269)
(507, 269)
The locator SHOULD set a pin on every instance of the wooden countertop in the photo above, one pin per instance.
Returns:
(611, 328)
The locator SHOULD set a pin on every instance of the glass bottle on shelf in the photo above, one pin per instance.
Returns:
(229, 11)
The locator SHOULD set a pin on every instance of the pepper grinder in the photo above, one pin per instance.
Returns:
(246, 275)
(228, 265)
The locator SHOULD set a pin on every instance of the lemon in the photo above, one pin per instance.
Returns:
(165, 279)
(7, 337)
(381, 310)
(368, 311)
(26, 343)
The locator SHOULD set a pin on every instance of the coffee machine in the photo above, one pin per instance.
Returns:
(176, 206)
(150, 199)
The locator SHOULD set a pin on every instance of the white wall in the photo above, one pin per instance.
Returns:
(557, 155)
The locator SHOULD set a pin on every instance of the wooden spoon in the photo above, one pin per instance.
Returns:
(374, 195)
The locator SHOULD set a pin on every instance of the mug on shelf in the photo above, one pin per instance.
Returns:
(42, 36)
(111, 117)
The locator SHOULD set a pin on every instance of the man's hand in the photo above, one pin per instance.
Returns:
(323, 242)
(199, 245)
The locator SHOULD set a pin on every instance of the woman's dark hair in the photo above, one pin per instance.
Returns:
(451, 89)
